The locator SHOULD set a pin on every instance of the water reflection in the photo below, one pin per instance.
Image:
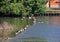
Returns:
(54, 20)
(50, 31)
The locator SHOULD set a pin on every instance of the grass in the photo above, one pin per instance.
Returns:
(17, 23)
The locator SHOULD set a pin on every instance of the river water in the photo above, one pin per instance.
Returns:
(48, 28)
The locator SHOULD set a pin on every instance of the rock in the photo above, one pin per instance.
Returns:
(21, 30)
(23, 17)
(16, 33)
(42, 22)
(34, 22)
(27, 26)
(30, 17)
(39, 22)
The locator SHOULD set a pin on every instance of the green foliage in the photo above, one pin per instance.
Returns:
(24, 7)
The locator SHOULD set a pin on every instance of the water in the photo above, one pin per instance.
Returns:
(49, 29)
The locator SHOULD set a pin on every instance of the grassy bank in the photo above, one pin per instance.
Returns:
(16, 22)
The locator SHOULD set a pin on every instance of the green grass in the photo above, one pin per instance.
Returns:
(16, 22)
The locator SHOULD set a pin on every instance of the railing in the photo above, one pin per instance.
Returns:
(53, 10)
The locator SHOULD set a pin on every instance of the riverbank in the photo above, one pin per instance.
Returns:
(22, 30)
(19, 24)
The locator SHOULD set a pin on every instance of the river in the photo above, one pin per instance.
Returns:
(48, 27)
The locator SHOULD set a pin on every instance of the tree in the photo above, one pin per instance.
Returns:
(24, 7)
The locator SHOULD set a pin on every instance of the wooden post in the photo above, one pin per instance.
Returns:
(59, 3)
(49, 3)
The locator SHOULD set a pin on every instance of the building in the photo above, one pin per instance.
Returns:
(53, 4)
